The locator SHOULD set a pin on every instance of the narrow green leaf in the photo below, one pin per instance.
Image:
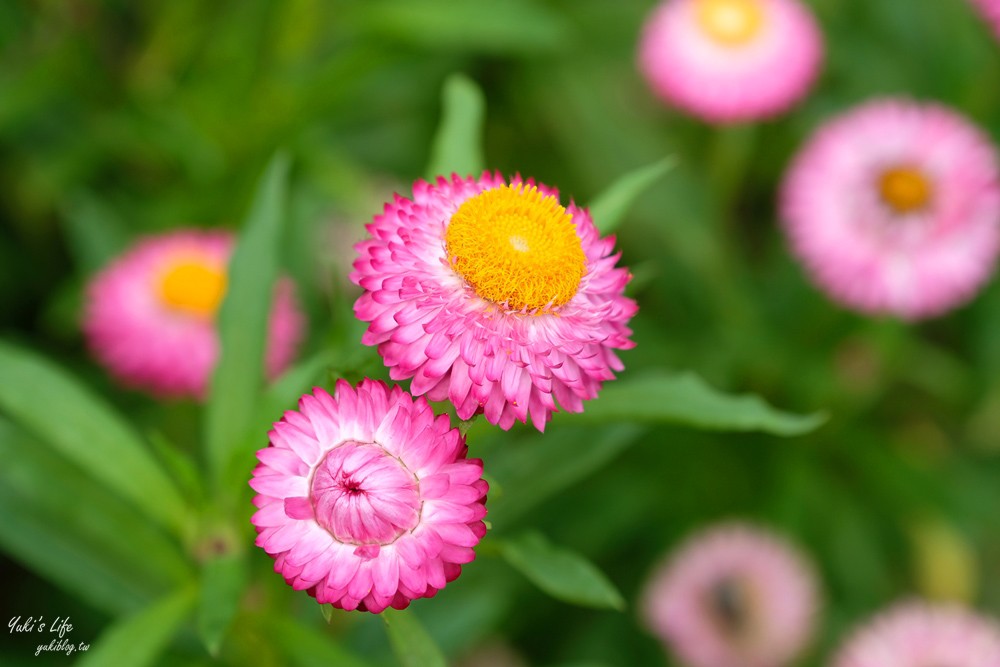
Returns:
(94, 233)
(138, 640)
(86, 537)
(561, 573)
(307, 646)
(223, 582)
(410, 642)
(284, 393)
(457, 146)
(239, 375)
(609, 208)
(46, 401)
(179, 464)
(684, 398)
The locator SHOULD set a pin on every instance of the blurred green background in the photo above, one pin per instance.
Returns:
(121, 118)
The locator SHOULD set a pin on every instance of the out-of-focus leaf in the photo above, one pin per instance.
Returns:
(223, 582)
(94, 233)
(684, 398)
(509, 27)
(243, 316)
(457, 146)
(179, 464)
(286, 390)
(410, 642)
(309, 647)
(540, 466)
(561, 573)
(78, 425)
(77, 533)
(138, 640)
(609, 208)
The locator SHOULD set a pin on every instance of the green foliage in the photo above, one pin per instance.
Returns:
(86, 432)
(561, 573)
(223, 583)
(457, 146)
(137, 640)
(238, 379)
(684, 398)
(410, 642)
(608, 209)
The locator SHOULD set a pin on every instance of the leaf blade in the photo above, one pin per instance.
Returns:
(685, 398)
(223, 582)
(137, 640)
(457, 145)
(87, 432)
(609, 208)
(410, 642)
(239, 375)
(563, 574)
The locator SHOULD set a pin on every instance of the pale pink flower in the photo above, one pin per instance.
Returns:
(493, 296)
(990, 9)
(149, 317)
(920, 634)
(894, 207)
(366, 499)
(731, 60)
(733, 596)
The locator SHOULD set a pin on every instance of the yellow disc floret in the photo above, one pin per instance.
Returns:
(730, 22)
(193, 286)
(516, 246)
(905, 189)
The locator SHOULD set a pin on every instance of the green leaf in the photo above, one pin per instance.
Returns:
(684, 398)
(46, 401)
(509, 27)
(307, 646)
(138, 640)
(410, 642)
(94, 233)
(561, 573)
(609, 208)
(73, 531)
(284, 393)
(223, 582)
(457, 146)
(239, 376)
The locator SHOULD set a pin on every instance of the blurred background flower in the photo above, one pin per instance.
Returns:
(149, 317)
(734, 595)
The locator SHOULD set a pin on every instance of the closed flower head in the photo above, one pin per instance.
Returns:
(493, 296)
(894, 207)
(733, 596)
(366, 499)
(730, 60)
(150, 316)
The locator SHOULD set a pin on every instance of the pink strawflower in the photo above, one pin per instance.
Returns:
(731, 60)
(990, 9)
(149, 317)
(733, 596)
(919, 634)
(894, 208)
(367, 499)
(494, 297)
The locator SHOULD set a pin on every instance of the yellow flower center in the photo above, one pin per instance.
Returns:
(730, 22)
(193, 286)
(518, 247)
(905, 189)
